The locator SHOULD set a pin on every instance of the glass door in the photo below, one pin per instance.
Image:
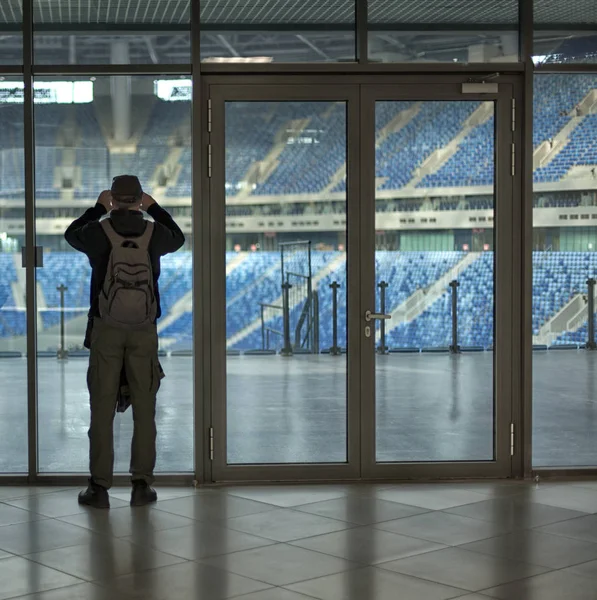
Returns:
(284, 268)
(437, 182)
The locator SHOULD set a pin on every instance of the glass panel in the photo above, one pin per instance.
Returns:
(564, 261)
(278, 31)
(565, 32)
(459, 31)
(100, 32)
(286, 247)
(11, 38)
(434, 172)
(86, 132)
(13, 321)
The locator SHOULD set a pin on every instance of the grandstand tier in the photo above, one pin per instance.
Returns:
(254, 278)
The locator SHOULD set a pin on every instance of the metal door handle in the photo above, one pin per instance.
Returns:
(369, 316)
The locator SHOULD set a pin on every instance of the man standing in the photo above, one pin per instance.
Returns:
(124, 251)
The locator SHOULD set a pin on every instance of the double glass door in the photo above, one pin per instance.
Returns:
(361, 280)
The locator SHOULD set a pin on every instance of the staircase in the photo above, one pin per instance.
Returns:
(185, 304)
(261, 170)
(401, 120)
(422, 299)
(546, 151)
(170, 169)
(18, 288)
(269, 314)
(438, 158)
(571, 317)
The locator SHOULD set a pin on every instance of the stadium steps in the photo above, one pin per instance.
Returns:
(401, 120)
(260, 171)
(18, 291)
(438, 158)
(20, 285)
(415, 305)
(546, 152)
(569, 319)
(171, 169)
(185, 304)
(331, 267)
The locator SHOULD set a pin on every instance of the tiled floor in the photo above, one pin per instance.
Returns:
(501, 540)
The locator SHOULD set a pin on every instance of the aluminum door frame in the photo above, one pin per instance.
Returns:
(446, 89)
(219, 94)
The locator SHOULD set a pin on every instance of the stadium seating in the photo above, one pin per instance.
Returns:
(12, 320)
(557, 277)
(309, 157)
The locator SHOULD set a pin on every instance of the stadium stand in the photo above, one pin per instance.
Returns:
(557, 277)
(303, 148)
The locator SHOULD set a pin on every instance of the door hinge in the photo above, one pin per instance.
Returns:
(513, 159)
(209, 160)
(211, 443)
(513, 114)
(209, 115)
(511, 439)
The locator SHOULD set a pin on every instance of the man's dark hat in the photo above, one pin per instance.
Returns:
(127, 187)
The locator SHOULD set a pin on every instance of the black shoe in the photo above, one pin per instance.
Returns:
(143, 494)
(95, 496)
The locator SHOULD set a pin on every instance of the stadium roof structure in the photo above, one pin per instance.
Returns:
(297, 30)
(162, 13)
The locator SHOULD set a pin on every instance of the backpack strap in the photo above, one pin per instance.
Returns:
(116, 239)
(144, 239)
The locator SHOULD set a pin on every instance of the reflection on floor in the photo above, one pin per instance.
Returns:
(430, 407)
(474, 540)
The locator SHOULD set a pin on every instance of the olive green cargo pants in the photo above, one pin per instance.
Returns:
(138, 350)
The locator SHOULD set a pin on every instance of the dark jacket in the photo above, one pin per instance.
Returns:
(86, 234)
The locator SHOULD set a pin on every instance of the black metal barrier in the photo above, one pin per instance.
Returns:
(454, 347)
(591, 308)
(287, 348)
(62, 350)
(335, 349)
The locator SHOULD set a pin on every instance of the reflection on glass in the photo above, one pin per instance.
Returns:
(13, 320)
(86, 132)
(564, 34)
(132, 32)
(286, 258)
(459, 31)
(434, 276)
(564, 265)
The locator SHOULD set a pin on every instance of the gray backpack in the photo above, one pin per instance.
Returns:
(127, 299)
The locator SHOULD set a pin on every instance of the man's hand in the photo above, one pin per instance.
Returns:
(146, 201)
(105, 199)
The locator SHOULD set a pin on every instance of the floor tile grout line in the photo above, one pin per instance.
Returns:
(269, 544)
(412, 537)
(97, 581)
(368, 564)
(92, 532)
(497, 522)
(356, 567)
(81, 580)
(467, 591)
(550, 572)
(423, 512)
(204, 562)
(492, 556)
(362, 567)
